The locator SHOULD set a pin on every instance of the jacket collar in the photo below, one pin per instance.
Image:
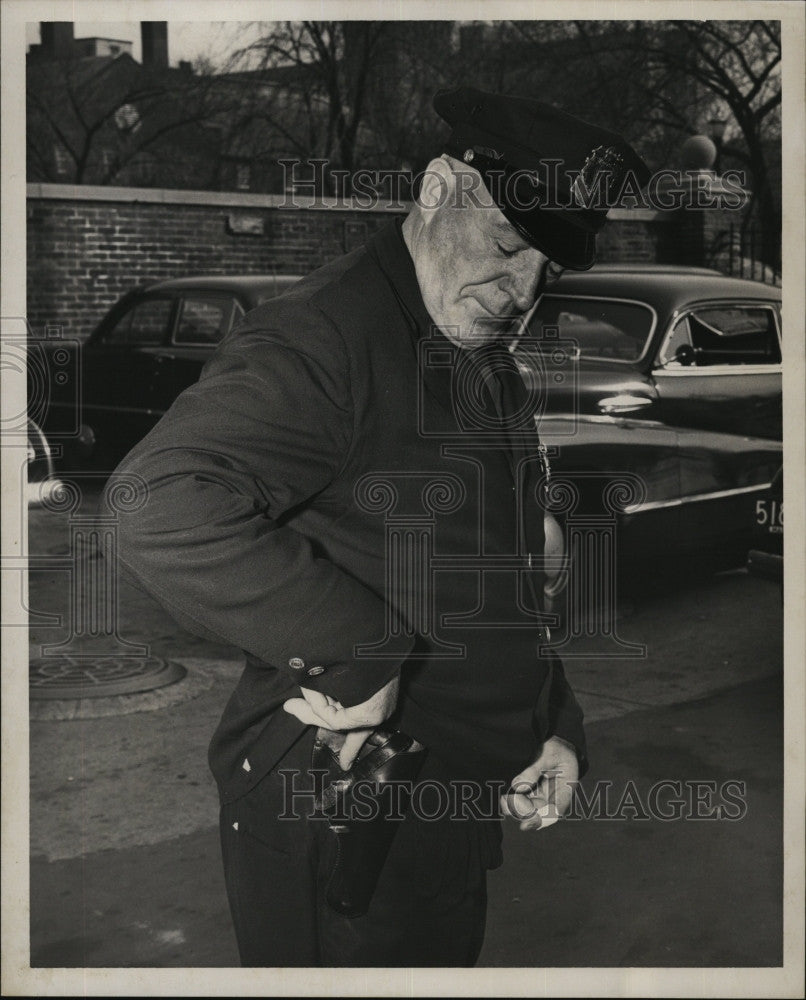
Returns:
(392, 254)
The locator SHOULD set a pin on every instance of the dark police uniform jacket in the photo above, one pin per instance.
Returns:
(334, 500)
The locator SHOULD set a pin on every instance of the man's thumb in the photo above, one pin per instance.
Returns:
(353, 742)
(525, 782)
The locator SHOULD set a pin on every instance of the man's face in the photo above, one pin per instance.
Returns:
(477, 274)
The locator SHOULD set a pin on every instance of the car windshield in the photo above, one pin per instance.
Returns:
(607, 329)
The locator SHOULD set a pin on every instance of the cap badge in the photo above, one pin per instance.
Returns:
(599, 161)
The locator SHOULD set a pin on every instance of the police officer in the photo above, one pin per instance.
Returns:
(349, 500)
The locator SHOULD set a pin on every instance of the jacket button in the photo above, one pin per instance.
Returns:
(296, 663)
(315, 671)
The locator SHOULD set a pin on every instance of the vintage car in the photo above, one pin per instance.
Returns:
(150, 346)
(658, 391)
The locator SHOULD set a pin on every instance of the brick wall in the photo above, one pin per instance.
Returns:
(87, 245)
(631, 237)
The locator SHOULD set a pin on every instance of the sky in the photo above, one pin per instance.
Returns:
(186, 39)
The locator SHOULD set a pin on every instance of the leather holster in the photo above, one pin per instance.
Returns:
(363, 826)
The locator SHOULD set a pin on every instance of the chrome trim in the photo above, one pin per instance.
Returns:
(596, 418)
(623, 402)
(720, 370)
(211, 345)
(611, 298)
(120, 409)
(694, 498)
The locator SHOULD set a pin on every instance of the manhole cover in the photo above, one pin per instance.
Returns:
(67, 677)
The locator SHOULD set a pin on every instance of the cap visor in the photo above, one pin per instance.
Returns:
(565, 244)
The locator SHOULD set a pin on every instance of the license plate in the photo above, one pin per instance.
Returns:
(770, 515)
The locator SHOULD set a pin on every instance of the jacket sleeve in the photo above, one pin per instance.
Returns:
(266, 428)
(565, 716)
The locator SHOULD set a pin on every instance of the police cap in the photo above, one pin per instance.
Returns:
(553, 175)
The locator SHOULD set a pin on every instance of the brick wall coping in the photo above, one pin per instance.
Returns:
(240, 199)
(232, 199)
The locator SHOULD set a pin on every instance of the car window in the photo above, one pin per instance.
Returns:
(610, 329)
(204, 319)
(723, 335)
(145, 324)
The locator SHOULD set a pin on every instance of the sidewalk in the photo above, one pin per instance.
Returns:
(621, 892)
(125, 867)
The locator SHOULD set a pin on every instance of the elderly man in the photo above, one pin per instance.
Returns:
(351, 494)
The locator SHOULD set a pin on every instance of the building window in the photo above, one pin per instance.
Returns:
(127, 118)
(142, 169)
(242, 177)
(61, 159)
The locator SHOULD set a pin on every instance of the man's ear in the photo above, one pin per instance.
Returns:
(437, 185)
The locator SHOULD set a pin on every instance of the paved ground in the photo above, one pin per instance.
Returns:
(598, 892)
(124, 855)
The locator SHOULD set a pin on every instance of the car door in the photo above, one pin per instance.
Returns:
(203, 318)
(599, 413)
(120, 369)
(718, 380)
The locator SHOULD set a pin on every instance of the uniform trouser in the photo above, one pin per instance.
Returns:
(428, 909)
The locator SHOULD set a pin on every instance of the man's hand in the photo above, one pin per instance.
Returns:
(315, 709)
(542, 793)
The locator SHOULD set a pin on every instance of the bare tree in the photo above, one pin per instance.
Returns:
(661, 81)
(358, 94)
(737, 65)
(304, 90)
(109, 120)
